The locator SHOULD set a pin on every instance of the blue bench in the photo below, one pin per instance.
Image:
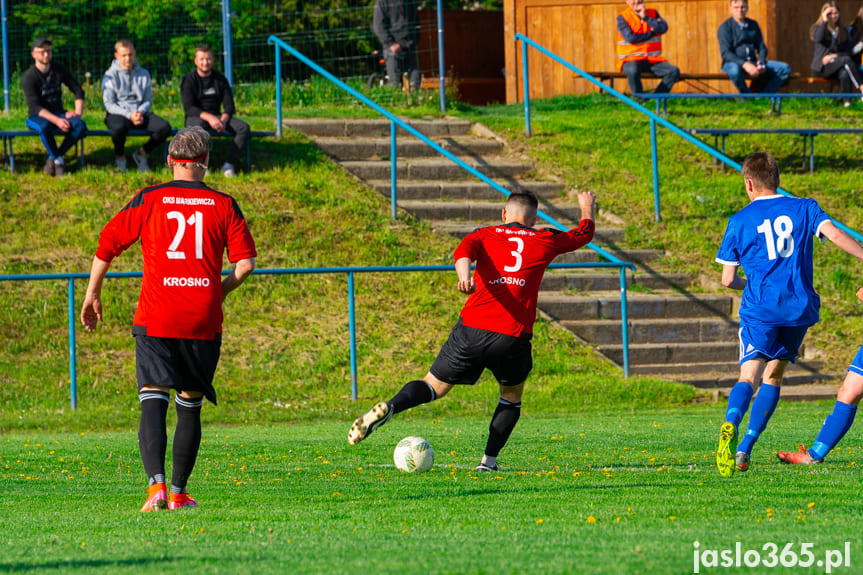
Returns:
(720, 134)
(8, 137)
(775, 99)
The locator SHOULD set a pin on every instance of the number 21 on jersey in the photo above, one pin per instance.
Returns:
(196, 220)
(782, 243)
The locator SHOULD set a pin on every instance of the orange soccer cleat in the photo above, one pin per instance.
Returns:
(178, 500)
(157, 498)
(800, 457)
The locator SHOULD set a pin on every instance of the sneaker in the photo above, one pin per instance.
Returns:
(157, 498)
(120, 163)
(59, 169)
(725, 451)
(228, 170)
(482, 467)
(178, 500)
(741, 461)
(49, 166)
(800, 457)
(366, 424)
(141, 162)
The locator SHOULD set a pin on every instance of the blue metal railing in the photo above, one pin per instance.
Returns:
(350, 271)
(654, 119)
(398, 122)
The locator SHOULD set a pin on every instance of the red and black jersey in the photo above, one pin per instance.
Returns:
(185, 228)
(510, 262)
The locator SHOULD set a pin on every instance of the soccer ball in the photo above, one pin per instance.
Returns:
(414, 454)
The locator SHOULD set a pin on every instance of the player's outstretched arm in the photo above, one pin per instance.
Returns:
(91, 309)
(842, 239)
(238, 275)
(465, 279)
(860, 294)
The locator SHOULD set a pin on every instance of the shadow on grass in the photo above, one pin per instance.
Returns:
(107, 563)
(495, 489)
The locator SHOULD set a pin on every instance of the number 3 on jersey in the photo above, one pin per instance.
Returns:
(517, 254)
(782, 243)
(196, 220)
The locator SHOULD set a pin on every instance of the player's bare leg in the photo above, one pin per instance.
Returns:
(738, 403)
(762, 410)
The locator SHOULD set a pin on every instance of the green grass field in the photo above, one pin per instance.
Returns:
(620, 491)
(603, 474)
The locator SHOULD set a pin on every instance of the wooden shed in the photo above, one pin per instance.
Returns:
(584, 33)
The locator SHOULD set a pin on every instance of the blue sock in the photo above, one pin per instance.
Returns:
(762, 409)
(738, 402)
(834, 429)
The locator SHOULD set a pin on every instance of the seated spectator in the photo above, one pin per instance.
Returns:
(744, 53)
(855, 31)
(639, 47)
(208, 101)
(128, 99)
(832, 57)
(43, 84)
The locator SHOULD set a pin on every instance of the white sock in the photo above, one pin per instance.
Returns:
(59, 161)
(488, 460)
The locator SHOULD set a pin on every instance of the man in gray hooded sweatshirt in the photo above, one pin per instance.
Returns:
(128, 100)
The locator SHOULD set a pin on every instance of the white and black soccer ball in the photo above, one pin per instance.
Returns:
(414, 454)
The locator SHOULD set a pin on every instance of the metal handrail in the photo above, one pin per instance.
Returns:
(396, 121)
(654, 119)
(350, 271)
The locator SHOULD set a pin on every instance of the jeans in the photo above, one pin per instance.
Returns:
(47, 131)
(769, 81)
(635, 68)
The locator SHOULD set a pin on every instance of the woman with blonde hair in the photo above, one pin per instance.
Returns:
(832, 57)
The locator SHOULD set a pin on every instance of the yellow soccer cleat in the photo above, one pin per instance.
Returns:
(725, 462)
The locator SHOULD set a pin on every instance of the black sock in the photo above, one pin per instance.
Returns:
(187, 440)
(152, 435)
(502, 423)
(413, 393)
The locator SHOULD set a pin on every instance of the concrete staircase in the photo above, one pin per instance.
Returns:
(674, 334)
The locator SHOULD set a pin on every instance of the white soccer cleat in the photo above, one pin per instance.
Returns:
(367, 423)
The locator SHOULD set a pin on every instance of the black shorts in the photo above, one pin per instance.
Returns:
(468, 351)
(183, 364)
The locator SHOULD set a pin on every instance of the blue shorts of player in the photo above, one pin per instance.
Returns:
(468, 351)
(183, 364)
(857, 364)
(771, 342)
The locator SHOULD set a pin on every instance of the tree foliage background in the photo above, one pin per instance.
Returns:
(335, 33)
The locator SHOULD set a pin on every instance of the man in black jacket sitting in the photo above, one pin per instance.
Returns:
(208, 102)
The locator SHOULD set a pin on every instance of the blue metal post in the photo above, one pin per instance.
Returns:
(440, 47)
(654, 156)
(393, 169)
(278, 92)
(353, 331)
(5, 57)
(625, 322)
(526, 77)
(73, 375)
(227, 52)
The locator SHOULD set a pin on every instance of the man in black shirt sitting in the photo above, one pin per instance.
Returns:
(205, 93)
(42, 84)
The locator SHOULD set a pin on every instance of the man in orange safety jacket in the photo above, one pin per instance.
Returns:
(639, 47)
